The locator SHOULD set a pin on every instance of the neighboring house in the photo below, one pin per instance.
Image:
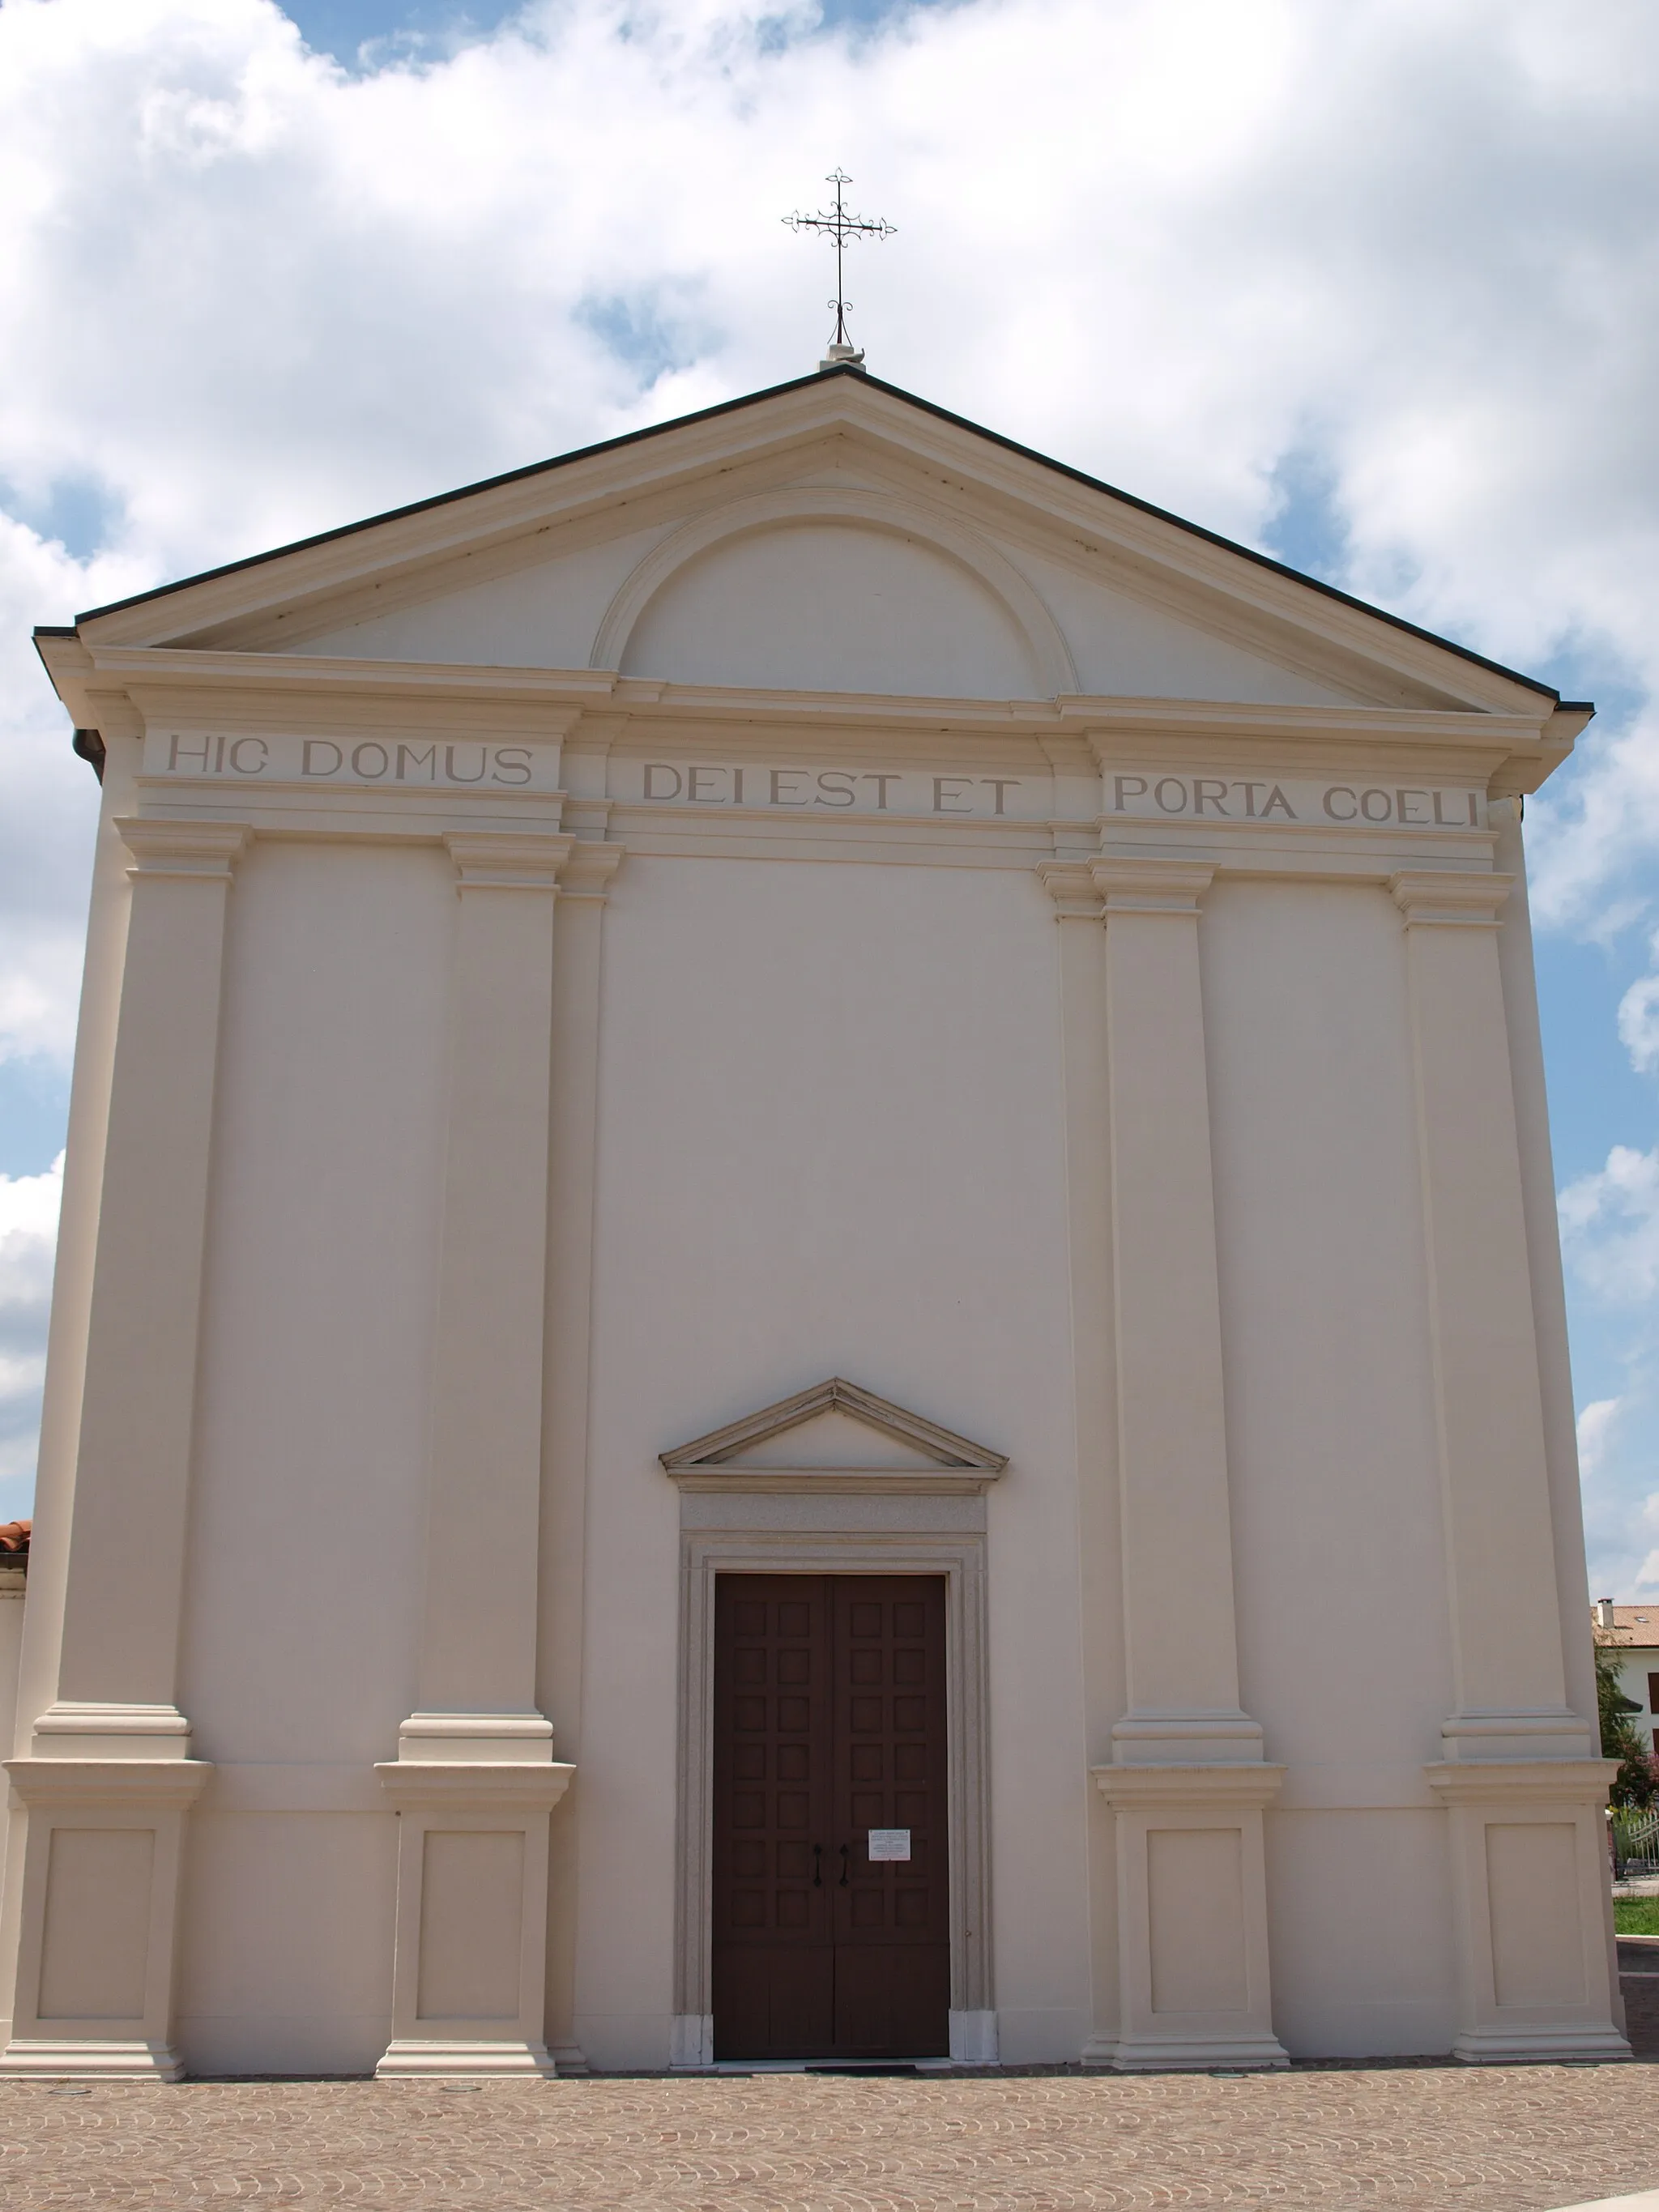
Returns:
(1634, 1629)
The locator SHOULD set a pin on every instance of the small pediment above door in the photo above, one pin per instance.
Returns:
(834, 1436)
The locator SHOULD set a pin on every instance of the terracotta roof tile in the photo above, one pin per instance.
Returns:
(14, 1535)
(1631, 1624)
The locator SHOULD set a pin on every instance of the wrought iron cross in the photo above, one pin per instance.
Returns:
(840, 227)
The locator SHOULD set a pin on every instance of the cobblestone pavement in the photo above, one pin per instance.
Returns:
(1438, 2138)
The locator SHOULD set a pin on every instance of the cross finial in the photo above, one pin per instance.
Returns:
(839, 226)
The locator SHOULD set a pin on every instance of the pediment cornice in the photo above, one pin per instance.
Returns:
(952, 1463)
(983, 479)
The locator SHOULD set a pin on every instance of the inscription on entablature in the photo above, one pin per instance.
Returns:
(412, 763)
(1153, 795)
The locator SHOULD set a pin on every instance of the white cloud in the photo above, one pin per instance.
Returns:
(1610, 1226)
(29, 1229)
(1639, 1016)
(1595, 1427)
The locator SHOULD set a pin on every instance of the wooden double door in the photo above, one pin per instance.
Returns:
(830, 1723)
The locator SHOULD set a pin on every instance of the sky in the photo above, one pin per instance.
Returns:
(1373, 286)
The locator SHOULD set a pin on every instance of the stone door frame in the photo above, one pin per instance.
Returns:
(849, 1533)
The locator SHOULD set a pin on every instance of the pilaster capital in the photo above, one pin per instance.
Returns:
(507, 860)
(1072, 888)
(1450, 898)
(1151, 886)
(161, 847)
(586, 873)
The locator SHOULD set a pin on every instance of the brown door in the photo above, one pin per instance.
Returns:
(830, 1722)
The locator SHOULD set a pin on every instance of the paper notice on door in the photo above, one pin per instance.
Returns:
(889, 1844)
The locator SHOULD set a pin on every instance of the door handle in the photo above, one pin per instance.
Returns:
(846, 1861)
(818, 1866)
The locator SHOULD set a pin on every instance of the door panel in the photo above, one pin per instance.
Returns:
(773, 1981)
(829, 1721)
(892, 1920)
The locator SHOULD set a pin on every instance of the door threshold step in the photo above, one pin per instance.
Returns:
(877, 2066)
(899, 2066)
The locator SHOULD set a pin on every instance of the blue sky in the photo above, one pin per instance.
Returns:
(341, 27)
(252, 289)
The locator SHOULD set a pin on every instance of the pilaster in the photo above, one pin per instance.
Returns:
(1523, 1791)
(1509, 1686)
(1181, 1645)
(1187, 1785)
(584, 886)
(1082, 954)
(104, 1796)
(475, 1779)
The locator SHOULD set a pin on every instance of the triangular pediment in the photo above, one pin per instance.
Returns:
(835, 1436)
(831, 535)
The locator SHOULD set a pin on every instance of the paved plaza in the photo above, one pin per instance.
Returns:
(1436, 2137)
(1441, 2137)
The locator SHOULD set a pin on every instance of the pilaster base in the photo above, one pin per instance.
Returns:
(974, 2038)
(691, 2041)
(470, 1966)
(432, 2058)
(1554, 2046)
(1197, 2053)
(1529, 1881)
(1193, 1988)
(101, 1841)
(44, 2059)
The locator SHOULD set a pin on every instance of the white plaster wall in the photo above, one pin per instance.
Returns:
(841, 608)
(836, 608)
(303, 1586)
(544, 615)
(1342, 1621)
(831, 1142)
(1130, 648)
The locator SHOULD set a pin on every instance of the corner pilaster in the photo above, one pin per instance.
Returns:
(103, 1795)
(1519, 1779)
(1510, 1688)
(1529, 1874)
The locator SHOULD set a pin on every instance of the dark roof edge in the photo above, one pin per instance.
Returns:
(773, 392)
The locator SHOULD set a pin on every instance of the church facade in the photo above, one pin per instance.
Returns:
(808, 1304)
